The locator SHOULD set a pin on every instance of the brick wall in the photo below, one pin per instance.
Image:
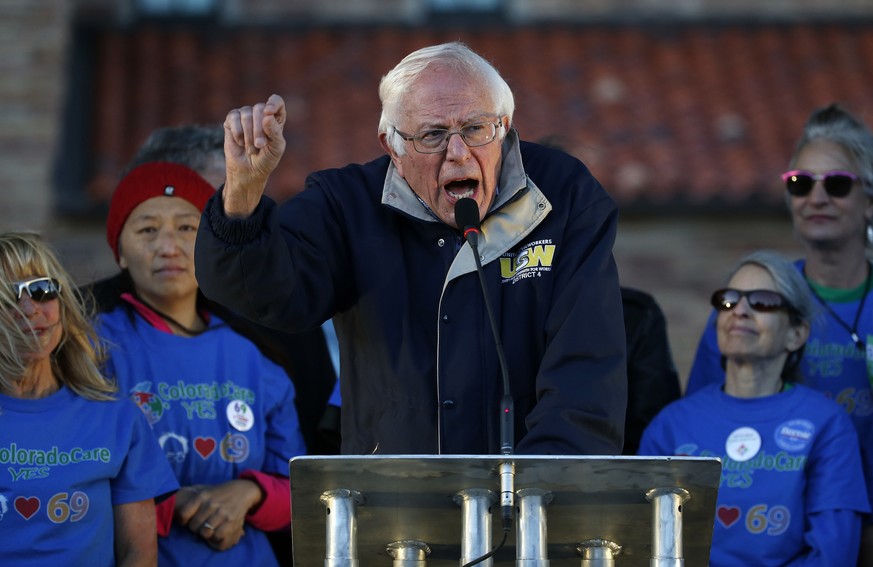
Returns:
(33, 39)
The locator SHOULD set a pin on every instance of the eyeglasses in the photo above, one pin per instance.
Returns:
(837, 183)
(761, 300)
(38, 289)
(435, 140)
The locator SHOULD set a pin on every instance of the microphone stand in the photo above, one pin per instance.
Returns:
(467, 217)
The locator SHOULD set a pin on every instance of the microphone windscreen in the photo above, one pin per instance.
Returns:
(467, 214)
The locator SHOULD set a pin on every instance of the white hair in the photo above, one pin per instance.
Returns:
(399, 81)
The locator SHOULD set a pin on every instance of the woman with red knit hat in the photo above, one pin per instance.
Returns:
(223, 413)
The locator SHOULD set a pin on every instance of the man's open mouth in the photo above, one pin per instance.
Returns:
(461, 188)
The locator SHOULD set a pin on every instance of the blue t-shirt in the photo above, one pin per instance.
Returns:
(66, 461)
(832, 364)
(784, 457)
(217, 406)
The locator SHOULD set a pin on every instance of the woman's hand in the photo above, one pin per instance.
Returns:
(217, 513)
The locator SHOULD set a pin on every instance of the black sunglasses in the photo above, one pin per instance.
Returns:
(762, 300)
(837, 183)
(40, 289)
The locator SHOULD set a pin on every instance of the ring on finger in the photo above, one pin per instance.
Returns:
(208, 526)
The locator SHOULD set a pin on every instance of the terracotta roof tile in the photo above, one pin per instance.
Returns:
(700, 114)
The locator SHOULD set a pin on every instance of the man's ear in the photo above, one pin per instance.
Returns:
(389, 149)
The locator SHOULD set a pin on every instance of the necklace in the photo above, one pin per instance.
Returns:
(168, 319)
(853, 330)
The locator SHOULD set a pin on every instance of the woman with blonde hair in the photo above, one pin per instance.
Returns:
(83, 467)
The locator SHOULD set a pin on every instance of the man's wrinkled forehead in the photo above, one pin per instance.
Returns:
(447, 96)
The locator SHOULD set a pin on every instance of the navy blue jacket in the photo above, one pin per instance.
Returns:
(419, 369)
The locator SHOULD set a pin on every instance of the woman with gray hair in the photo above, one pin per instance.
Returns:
(792, 488)
(83, 467)
(829, 192)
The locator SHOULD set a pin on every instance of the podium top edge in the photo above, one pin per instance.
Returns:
(502, 458)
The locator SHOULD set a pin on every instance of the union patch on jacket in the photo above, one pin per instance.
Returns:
(531, 261)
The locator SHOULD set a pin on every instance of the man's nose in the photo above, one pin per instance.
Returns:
(456, 147)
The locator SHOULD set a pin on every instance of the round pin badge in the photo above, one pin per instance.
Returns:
(794, 435)
(743, 444)
(240, 415)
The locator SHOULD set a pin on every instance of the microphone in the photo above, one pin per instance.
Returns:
(467, 219)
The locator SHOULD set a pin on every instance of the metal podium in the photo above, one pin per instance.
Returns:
(443, 510)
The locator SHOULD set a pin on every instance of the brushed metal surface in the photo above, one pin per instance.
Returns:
(412, 497)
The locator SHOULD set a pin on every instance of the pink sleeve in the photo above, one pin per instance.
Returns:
(274, 511)
(165, 510)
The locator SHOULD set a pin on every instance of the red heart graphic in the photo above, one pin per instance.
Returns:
(27, 507)
(728, 515)
(204, 446)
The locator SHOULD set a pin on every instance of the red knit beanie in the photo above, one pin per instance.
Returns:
(153, 179)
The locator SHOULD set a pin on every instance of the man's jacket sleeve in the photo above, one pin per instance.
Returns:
(248, 265)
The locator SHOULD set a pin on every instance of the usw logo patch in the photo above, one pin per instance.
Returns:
(532, 261)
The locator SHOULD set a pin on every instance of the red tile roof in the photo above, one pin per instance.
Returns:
(688, 115)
